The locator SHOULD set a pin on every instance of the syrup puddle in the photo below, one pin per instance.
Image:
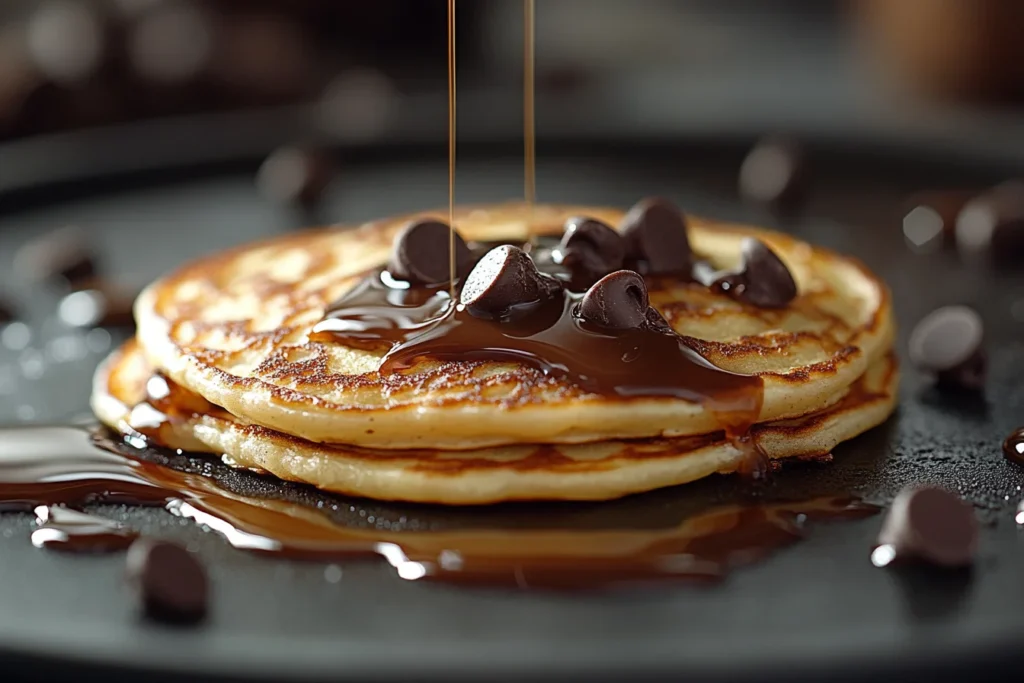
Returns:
(51, 469)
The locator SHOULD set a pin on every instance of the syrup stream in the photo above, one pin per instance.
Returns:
(451, 146)
(529, 138)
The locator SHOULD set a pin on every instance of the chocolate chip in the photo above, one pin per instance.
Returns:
(764, 280)
(655, 231)
(503, 279)
(991, 226)
(60, 255)
(1013, 447)
(358, 105)
(948, 343)
(6, 312)
(171, 43)
(590, 249)
(617, 301)
(67, 40)
(295, 175)
(929, 524)
(420, 253)
(98, 304)
(170, 581)
(773, 174)
(264, 57)
(929, 220)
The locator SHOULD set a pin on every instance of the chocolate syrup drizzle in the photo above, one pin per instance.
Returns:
(68, 466)
(415, 322)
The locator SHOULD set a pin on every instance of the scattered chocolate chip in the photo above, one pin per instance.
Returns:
(948, 343)
(67, 40)
(62, 254)
(358, 105)
(170, 581)
(294, 175)
(929, 524)
(97, 304)
(504, 278)
(264, 57)
(655, 231)
(929, 220)
(420, 253)
(991, 226)
(617, 301)
(6, 312)
(773, 174)
(1013, 447)
(565, 79)
(590, 249)
(767, 281)
(171, 43)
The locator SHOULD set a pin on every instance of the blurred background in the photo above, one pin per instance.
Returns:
(135, 134)
(938, 73)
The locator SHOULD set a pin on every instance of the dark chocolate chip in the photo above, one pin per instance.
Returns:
(297, 176)
(264, 57)
(60, 255)
(68, 40)
(929, 220)
(6, 312)
(929, 524)
(655, 231)
(617, 301)
(991, 226)
(420, 253)
(171, 43)
(590, 249)
(1013, 447)
(773, 174)
(170, 581)
(358, 105)
(766, 281)
(504, 278)
(948, 343)
(98, 304)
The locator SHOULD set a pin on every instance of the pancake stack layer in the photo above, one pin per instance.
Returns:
(766, 345)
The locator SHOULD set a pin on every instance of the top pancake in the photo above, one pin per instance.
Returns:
(234, 328)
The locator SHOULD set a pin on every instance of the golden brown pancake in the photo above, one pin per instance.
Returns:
(591, 471)
(234, 329)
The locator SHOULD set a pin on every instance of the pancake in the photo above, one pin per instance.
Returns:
(234, 328)
(591, 471)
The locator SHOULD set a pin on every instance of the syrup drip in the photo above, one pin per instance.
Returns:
(529, 127)
(70, 466)
(451, 146)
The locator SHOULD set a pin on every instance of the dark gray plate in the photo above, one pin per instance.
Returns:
(813, 611)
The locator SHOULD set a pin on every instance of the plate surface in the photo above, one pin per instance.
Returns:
(818, 608)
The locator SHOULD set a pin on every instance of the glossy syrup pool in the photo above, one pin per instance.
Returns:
(56, 470)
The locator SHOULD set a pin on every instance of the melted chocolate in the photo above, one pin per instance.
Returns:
(1013, 446)
(381, 312)
(62, 528)
(65, 465)
(417, 322)
(642, 361)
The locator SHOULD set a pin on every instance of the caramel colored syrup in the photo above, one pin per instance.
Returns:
(529, 127)
(451, 146)
(69, 466)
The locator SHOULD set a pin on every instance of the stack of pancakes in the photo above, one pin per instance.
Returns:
(223, 363)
